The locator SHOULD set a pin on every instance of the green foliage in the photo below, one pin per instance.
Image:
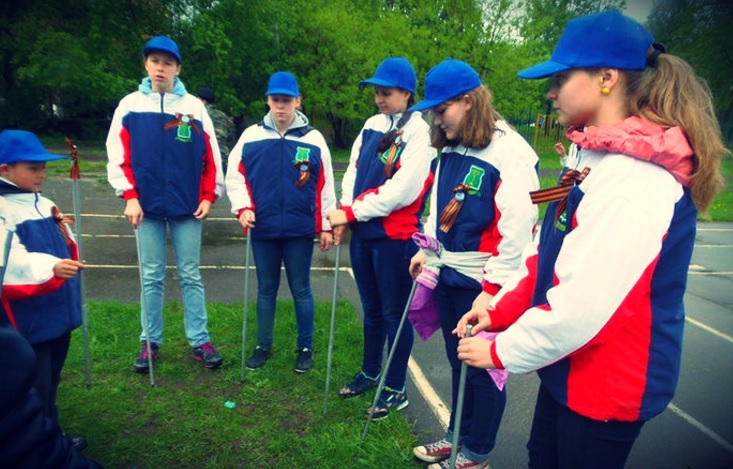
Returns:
(79, 57)
(699, 32)
(182, 422)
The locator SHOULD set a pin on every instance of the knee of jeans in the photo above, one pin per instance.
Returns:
(302, 293)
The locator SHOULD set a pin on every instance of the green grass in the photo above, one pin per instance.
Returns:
(182, 422)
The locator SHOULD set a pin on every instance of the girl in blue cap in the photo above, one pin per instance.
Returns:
(481, 217)
(383, 196)
(280, 184)
(164, 162)
(598, 309)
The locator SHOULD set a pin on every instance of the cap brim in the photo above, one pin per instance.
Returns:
(377, 82)
(281, 91)
(46, 157)
(426, 104)
(37, 158)
(542, 70)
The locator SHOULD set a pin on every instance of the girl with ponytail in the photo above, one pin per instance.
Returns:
(598, 311)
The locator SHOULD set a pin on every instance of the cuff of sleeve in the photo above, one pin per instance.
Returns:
(495, 358)
(349, 211)
(241, 211)
(131, 194)
(490, 288)
(497, 322)
(210, 197)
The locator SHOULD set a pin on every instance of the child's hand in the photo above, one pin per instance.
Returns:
(338, 234)
(134, 212)
(416, 263)
(67, 268)
(337, 218)
(247, 218)
(203, 210)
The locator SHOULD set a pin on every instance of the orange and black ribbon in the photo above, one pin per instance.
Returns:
(304, 168)
(570, 179)
(74, 156)
(393, 150)
(61, 222)
(179, 120)
(450, 212)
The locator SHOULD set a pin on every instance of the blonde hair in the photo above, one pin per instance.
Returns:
(479, 123)
(673, 95)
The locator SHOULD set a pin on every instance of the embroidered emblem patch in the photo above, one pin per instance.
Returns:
(184, 130)
(302, 157)
(474, 179)
(183, 124)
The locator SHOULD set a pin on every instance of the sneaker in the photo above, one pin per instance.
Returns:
(389, 400)
(206, 354)
(360, 384)
(462, 462)
(304, 362)
(258, 358)
(141, 362)
(434, 452)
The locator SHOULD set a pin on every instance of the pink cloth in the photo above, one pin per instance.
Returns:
(644, 140)
(423, 311)
(498, 376)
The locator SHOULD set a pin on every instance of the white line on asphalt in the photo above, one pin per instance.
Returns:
(711, 273)
(711, 330)
(435, 403)
(692, 421)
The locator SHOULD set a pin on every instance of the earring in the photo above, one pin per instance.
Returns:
(605, 91)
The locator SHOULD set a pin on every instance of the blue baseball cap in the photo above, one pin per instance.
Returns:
(21, 145)
(607, 39)
(394, 72)
(448, 79)
(162, 43)
(283, 83)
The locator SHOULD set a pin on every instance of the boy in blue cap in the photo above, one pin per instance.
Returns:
(41, 291)
(164, 162)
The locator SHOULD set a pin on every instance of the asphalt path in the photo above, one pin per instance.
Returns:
(696, 430)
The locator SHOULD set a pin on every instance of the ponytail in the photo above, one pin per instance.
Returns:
(673, 95)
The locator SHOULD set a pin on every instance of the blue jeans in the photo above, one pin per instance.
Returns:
(186, 236)
(381, 270)
(483, 403)
(296, 254)
(561, 438)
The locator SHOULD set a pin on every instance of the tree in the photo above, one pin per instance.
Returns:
(699, 32)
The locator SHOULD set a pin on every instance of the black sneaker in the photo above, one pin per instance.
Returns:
(206, 354)
(141, 362)
(258, 358)
(304, 362)
(390, 400)
(359, 385)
